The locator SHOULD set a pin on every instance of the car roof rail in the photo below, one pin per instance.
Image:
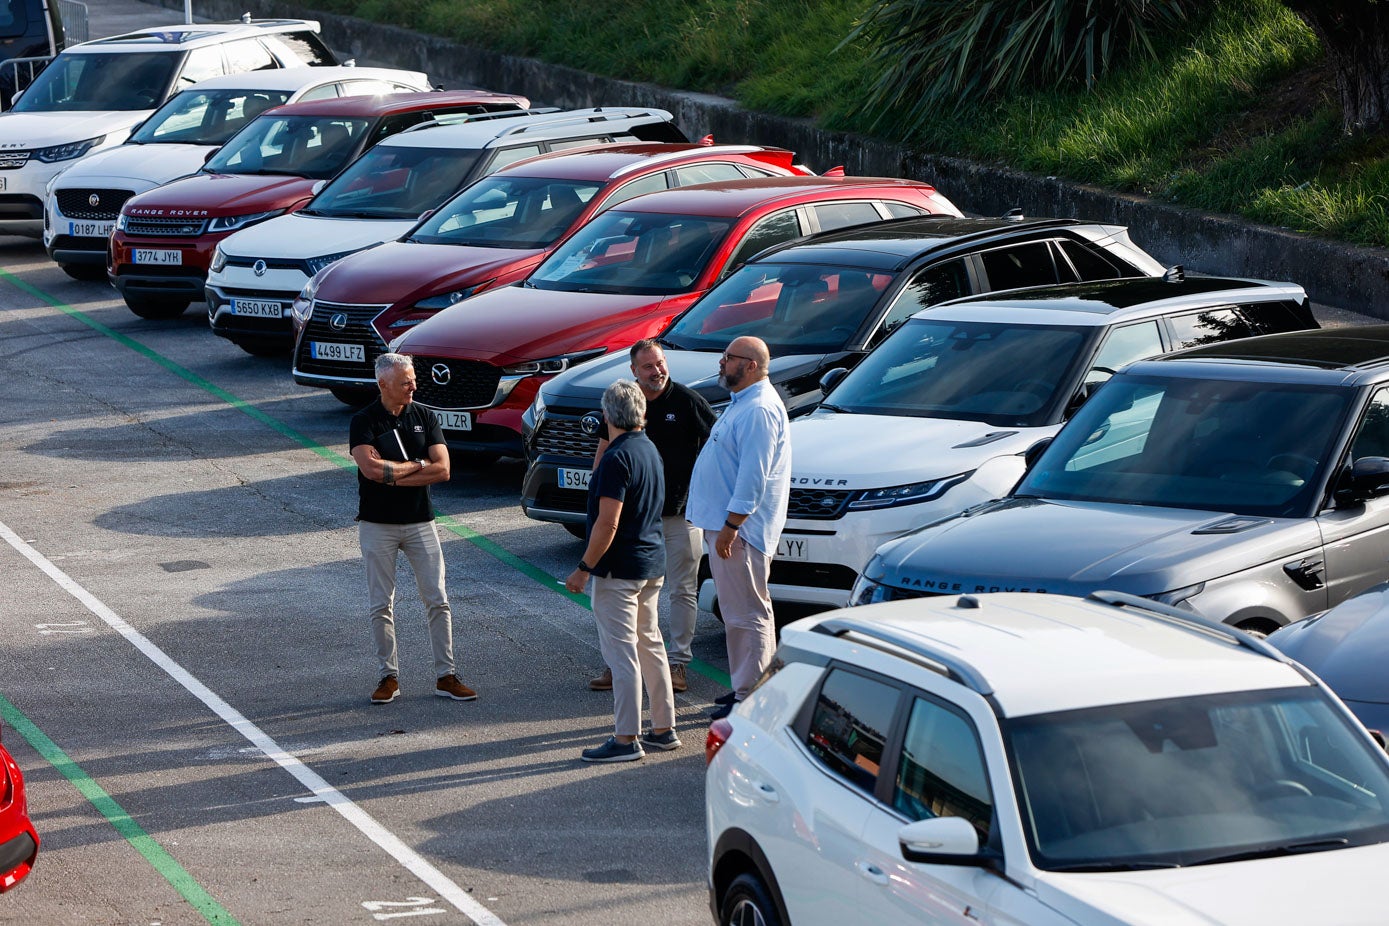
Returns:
(465, 118)
(937, 659)
(699, 149)
(583, 117)
(1166, 613)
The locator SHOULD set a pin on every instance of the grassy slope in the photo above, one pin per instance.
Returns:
(1238, 116)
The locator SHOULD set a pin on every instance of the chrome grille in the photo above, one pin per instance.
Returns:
(817, 504)
(77, 203)
(564, 437)
(356, 329)
(13, 160)
(471, 383)
(164, 228)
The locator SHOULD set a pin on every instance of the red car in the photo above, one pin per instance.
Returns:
(19, 841)
(163, 242)
(494, 232)
(621, 277)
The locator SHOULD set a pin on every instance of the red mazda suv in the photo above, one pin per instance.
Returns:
(19, 841)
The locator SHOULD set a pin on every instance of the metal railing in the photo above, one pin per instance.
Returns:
(74, 16)
(18, 73)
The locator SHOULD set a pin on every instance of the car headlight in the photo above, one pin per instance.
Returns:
(302, 307)
(1180, 597)
(444, 300)
(909, 494)
(226, 223)
(121, 221)
(534, 415)
(551, 365)
(866, 591)
(219, 260)
(73, 149)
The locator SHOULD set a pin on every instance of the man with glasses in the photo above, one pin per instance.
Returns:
(738, 495)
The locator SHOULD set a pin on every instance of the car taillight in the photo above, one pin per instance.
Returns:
(719, 732)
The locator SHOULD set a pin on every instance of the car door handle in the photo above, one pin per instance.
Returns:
(766, 792)
(872, 872)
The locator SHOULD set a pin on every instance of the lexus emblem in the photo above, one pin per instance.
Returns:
(258, 268)
(590, 423)
(338, 322)
(441, 374)
(94, 200)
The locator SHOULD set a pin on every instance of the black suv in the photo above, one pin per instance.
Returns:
(28, 29)
(820, 302)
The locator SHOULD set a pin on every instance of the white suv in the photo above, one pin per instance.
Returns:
(92, 94)
(1039, 759)
(85, 200)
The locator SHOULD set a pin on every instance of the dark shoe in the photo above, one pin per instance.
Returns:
(677, 678)
(722, 711)
(387, 691)
(663, 741)
(449, 686)
(726, 698)
(614, 751)
(603, 682)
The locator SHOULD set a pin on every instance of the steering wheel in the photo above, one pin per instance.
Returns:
(1282, 787)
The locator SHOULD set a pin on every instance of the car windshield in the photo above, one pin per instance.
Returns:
(96, 81)
(206, 117)
(394, 182)
(299, 146)
(795, 308)
(1005, 375)
(633, 253)
(1196, 781)
(508, 212)
(1246, 447)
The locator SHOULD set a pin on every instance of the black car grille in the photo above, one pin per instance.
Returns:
(554, 498)
(356, 329)
(564, 437)
(812, 575)
(817, 504)
(469, 383)
(20, 206)
(77, 204)
(164, 228)
(272, 263)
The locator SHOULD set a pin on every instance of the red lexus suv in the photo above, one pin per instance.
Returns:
(163, 241)
(621, 277)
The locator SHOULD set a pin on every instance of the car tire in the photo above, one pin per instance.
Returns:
(355, 398)
(87, 273)
(747, 902)
(577, 530)
(157, 307)
(268, 347)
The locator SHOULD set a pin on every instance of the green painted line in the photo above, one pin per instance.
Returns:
(452, 525)
(142, 842)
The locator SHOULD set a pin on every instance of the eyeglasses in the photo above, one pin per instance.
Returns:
(728, 356)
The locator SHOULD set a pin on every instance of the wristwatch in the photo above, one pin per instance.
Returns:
(584, 567)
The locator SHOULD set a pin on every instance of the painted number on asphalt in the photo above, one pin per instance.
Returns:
(422, 906)
(64, 627)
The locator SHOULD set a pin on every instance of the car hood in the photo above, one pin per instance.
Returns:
(405, 271)
(827, 448)
(1347, 646)
(295, 236)
(1321, 887)
(1012, 545)
(23, 131)
(220, 194)
(141, 167)
(583, 386)
(514, 323)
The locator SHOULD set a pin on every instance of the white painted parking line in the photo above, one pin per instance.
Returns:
(321, 790)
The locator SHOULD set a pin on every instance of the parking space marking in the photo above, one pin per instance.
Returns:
(364, 822)
(483, 543)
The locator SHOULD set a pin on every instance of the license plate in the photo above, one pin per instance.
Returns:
(454, 421)
(255, 308)
(90, 229)
(794, 549)
(574, 478)
(158, 257)
(323, 350)
(2, 184)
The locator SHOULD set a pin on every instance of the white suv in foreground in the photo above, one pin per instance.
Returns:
(1041, 760)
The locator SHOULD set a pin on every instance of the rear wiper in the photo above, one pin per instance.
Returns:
(1290, 848)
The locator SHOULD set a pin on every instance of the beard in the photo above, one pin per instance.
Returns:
(728, 382)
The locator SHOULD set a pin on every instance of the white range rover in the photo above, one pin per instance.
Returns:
(84, 201)
(91, 95)
(937, 418)
(1011, 759)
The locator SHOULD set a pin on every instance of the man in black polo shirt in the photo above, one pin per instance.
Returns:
(678, 421)
(400, 452)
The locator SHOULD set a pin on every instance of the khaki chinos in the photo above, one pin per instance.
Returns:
(381, 544)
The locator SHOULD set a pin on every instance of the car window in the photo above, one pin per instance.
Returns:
(78, 82)
(850, 724)
(840, 215)
(564, 144)
(1090, 263)
(706, 173)
(651, 183)
(504, 156)
(206, 117)
(301, 46)
(1208, 327)
(392, 125)
(248, 55)
(326, 92)
(370, 87)
(13, 18)
(1274, 317)
(941, 772)
(902, 210)
(501, 211)
(774, 229)
(1372, 438)
(1020, 265)
(634, 253)
(935, 284)
(1123, 346)
(202, 63)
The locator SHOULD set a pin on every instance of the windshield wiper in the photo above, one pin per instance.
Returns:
(528, 284)
(832, 407)
(1288, 848)
(1113, 866)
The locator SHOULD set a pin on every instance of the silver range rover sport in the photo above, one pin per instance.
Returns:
(1246, 481)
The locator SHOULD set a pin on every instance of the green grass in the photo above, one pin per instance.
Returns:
(1190, 127)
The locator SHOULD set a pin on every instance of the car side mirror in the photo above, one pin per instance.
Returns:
(832, 378)
(941, 841)
(1032, 454)
(1082, 396)
(318, 185)
(1366, 478)
(426, 214)
(207, 157)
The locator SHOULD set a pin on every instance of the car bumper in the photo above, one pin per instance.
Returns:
(22, 196)
(72, 249)
(545, 497)
(17, 857)
(130, 272)
(236, 314)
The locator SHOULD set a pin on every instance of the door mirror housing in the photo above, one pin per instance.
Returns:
(941, 841)
(1366, 478)
(832, 378)
(1034, 453)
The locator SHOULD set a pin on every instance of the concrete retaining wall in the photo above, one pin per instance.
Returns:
(1356, 279)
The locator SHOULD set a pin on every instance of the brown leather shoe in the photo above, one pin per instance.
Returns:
(387, 691)
(677, 678)
(603, 682)
(449, 686)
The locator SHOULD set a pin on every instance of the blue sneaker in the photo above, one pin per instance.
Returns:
(663, 741)
(614, 751)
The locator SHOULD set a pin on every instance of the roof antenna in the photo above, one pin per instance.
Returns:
(246, 18)
(1175, 274)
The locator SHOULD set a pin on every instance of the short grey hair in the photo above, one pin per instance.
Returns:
(624, 406)
(392, 361)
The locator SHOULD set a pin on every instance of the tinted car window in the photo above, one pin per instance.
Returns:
(302, 46)
(14, 19)
(706, 173)
(1208, 327)
(394, 182)
(774, 229)
(633, 253)
(850, 724)
(1019, 265)
(839, 215)
(80, 82)
(935, 284)
(1124, 345)
(649, 184)
(504, 156)
(307, 146)
(500, 211)
(249, 55)
(1274, 317)
(902, 210)
(1090, 264)
(942, 771)
(1372, 440)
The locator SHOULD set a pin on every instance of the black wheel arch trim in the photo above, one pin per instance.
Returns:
(741, 842)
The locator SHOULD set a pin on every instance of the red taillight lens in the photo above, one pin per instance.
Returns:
(719, 732)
